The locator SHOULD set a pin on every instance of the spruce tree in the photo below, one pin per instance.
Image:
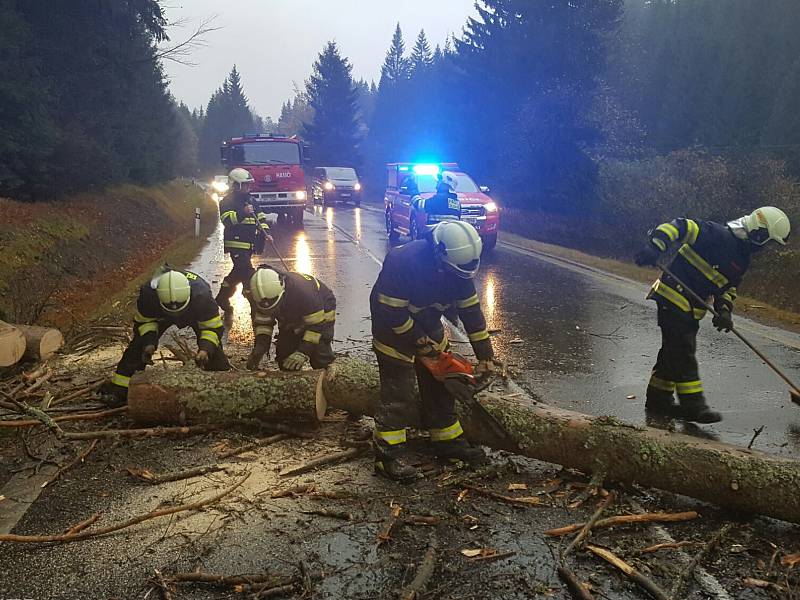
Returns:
(395, 69)
(421, 55)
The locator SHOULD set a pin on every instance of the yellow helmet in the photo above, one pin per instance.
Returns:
(459, 247)
(767, 223)
(238, 176)
(267, 288)
(174, 291)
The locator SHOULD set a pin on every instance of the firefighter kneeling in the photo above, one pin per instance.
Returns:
(305, 311)
(418, 283)
(172, 297)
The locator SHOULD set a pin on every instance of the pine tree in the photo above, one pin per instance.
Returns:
(395, 67)
(421, 55)
(333, 129)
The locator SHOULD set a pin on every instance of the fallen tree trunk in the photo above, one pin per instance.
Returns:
(12, 344)
(731, 477)
(41, 342)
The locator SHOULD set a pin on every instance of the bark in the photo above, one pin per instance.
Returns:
(725, 475)
(41, 342)
(12, 344)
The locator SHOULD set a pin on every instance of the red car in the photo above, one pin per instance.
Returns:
(408, 182)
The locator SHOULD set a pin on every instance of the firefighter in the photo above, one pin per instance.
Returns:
(444, 204)
(710, 259)
(417, 284)
(245, 233)
(304, 309)
(172, 297)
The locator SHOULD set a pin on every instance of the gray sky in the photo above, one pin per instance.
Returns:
(275, 42)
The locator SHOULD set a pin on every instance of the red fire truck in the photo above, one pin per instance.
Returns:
(276, 162)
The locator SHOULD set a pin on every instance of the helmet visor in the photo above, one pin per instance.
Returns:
(175, 306)
(759, 236)
(269, 303)
(465, 271)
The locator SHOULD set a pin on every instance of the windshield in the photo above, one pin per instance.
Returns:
(341, 173)
(427, 183)
(265, 153)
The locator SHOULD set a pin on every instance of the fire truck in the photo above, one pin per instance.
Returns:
(277, 164)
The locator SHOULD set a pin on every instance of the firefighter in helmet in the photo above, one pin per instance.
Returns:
(711, 259)
(304, 309)
(417, 284)
(444, 204)
(245, 234)
(172, 297)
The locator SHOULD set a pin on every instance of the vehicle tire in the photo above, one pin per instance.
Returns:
(390, 231)
(357, 202)
(413, 232)
(489, 242)
(297, 217)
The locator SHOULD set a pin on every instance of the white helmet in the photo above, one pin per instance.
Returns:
(267, 288)
(450, 180)
(239, 176)
(174, 291)
(458, 246)
(765, 224)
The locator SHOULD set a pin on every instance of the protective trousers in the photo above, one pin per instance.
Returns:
(398, 407)
(676, 366)
(289, 341)
(241, 272)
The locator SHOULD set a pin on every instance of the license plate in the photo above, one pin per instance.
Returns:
(343, 195)
(471, 220)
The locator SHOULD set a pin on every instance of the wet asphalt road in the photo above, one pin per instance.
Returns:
(575, 337)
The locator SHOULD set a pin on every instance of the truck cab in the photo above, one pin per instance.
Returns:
(407, 183)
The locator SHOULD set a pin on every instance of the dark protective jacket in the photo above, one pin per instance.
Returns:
(202, 314)
(710, 259)
(308, 306)
(410, 297)
(442, 206)
(242, 231)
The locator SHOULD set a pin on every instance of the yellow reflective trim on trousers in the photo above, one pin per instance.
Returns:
(238, 245)
(660, 243)
(471, 301)
(231, 215)
(120, 380)
(210, 336)
(436, 305)
(330, 316)
(312, 337)
(479, 336)
(692, 231)
(404, 327)
(445, 434)
(146, 328)
(389, 351)
(661, 384)
(392, 438)
(663, 290)
(212, 323)
(699, 313)
(314, 318)
(140, 318)
(669, 230)
(699, 263)
(393, 302)
(689, 387)
(262, 330)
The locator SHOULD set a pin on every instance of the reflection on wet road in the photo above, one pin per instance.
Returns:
(574, 337)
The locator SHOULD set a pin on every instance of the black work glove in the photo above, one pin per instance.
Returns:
(647, 256)
(723, 320)
(147, 354)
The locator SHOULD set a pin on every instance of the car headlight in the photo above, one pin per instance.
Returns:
(357, 186)
(328, 185)
(301, 195)
(215, 197)
(490, 207)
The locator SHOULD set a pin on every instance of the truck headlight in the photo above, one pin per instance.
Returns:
(357, 186)
(490, 207)
(328, 185)
(301, 195)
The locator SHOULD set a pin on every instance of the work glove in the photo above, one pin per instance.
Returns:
(201, 359)
(487, 367)
(295, 361)
(147, 354)
(260, 348)
(723, 320)
(648, 255)
(425, 347)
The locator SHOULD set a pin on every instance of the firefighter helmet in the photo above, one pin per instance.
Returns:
(458, 246)
(174, 291)
(765, 224)
(447, 182)
(267, 288)
(239, 176)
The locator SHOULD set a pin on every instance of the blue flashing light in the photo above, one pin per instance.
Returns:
(426, 169)
(403, 168)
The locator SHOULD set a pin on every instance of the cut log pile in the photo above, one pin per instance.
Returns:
(28, 342)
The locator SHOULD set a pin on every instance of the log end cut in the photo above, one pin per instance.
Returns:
(12, 344)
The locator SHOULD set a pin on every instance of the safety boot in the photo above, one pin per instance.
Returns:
(260, 348)
(660, 405)
(698, 411)
(112, 395)
(459, 449)
(392, 464)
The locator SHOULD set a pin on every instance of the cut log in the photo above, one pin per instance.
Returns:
(722, 474)
(12, 344)
(42, 342)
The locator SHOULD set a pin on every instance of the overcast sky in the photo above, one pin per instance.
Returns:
(274, 42)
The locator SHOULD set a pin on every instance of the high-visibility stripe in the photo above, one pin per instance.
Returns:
(730, 294)
(210, 336)
(661, 384)
(441, 345)
(699, 313)
(330, 316)
(689, 387)
(663, 290)
(393, 302)
(436, 305)
(212, 323)
(392, 438)
(262, 330)
(669, 230)
(699, 263)
(238, 245)
(248, 221)
(404, 327)
(692, 231)
(389, 351)
(120, 380)
(140, 318)
(146, 328)
(445, 434)
(471, 301)
(312, 337)
(231, 216)
(314, 318)
(660, 243)
(478, 336)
